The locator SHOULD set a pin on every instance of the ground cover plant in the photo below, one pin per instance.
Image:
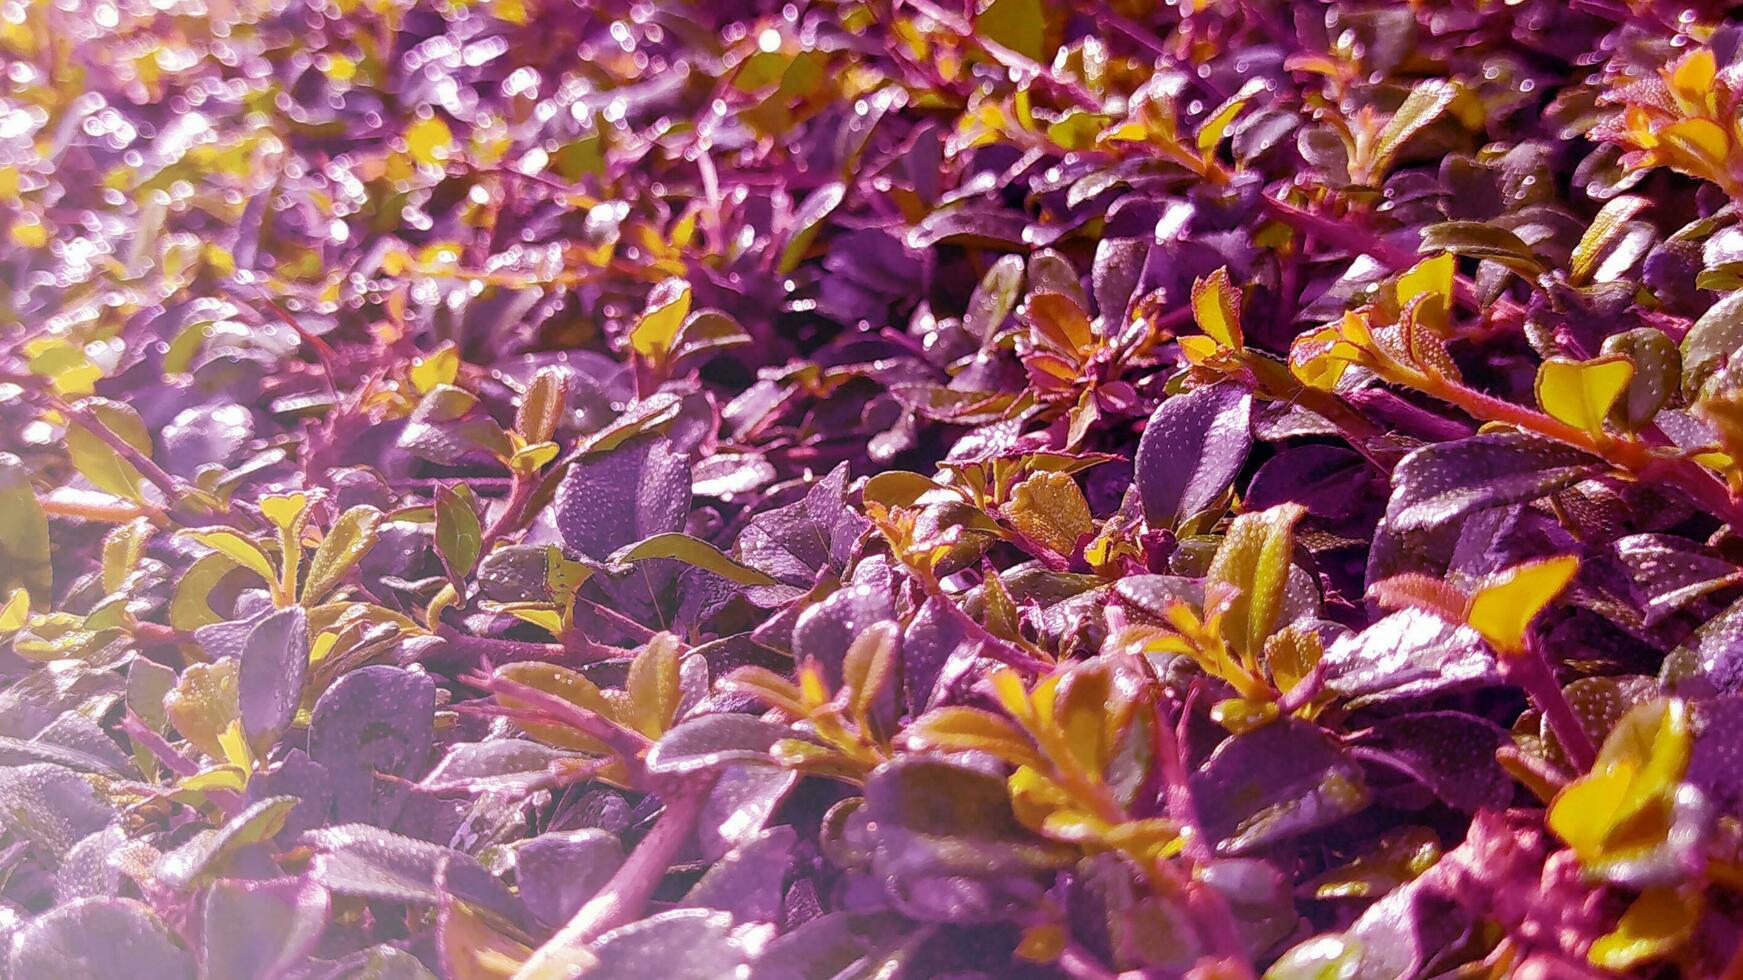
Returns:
(901, 488)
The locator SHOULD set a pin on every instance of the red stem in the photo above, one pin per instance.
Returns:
(1531, 671)
(627, 893)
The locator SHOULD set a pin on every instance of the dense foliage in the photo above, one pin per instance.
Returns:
(851, 488)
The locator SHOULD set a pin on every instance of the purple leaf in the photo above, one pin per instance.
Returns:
(269, 682)
(258, 930)
(1191, 450)
(102, 939)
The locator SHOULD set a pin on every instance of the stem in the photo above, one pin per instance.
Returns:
(625, 742)
(1530, 670)
(575, 649)
(147, 468)
(520, 491)
(627, 893)
(1208, 905)
(107, 513)
(152, 742)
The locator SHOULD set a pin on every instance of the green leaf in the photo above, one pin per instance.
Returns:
(1421, 108)
(1657, 372)
(238, 549)
(1711, 343)
(122, 549)
(24, 541)
(656, 329)
(1581, 393)
(995, 297)
(1254, 561)
(808, 221)
(1020, 25)
(97, 461)
(694, 552)
(1480, 240)
(1609, 223)
(188, 609)
(350, 538)
(204, 704)
(652, 686)
(541, 408)
(459, 534)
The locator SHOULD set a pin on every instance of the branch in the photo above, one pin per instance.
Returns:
(625, 896)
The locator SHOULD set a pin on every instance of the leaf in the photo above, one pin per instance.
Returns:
(1655, 925)
(963, 729)
(1192, 448)
(439, 367)
(557, 873)
(188, 608)
(1050, 508)
(204, 704)
(429, 141)
(1281, 780)
(1441, 483)
(656, 330)
(97, 461)
(24, 541)
(1432, 280)
(623, 495)
(711, 741)
(682, 944)
(694, 552)
(1254, 560)
(284, 509)
(368, 862)
(1712, 343)
(375, 719)
(994, 298)
(1480, 240)
(237, 549)
(1581, 393)
(256, 929)
(1426, 101)
(269, 682)
(122, 549)
(51, 807)
(459, 534)
(808, 220)
(99, 939)
(531, 573)
(1216, 308)
(1657, 372)
(1450, 753)
(208, 854)
(1020, 25)
(542, 407)
(15, 611)
(652, 686)
(1409, 654)
(352, 535)
(564, 683)
(1503, 607)
(1609, 223)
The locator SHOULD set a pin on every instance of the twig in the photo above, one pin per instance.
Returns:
(627, 893)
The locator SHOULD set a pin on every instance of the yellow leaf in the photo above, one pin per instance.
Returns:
(440, 367)
(238, 549)
(1216, 306)
(1433, 278)
(15, 611)
(1503, 609)
(1691, 81)
(1701, 139)
(227, 777)
(1042, 943)
(658, 326)
(235, 746)
(204, 704)
(563, 683)
(284, 509)
(429, 141)
(1050, 508)
(1581, 393)
(1658, 922)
